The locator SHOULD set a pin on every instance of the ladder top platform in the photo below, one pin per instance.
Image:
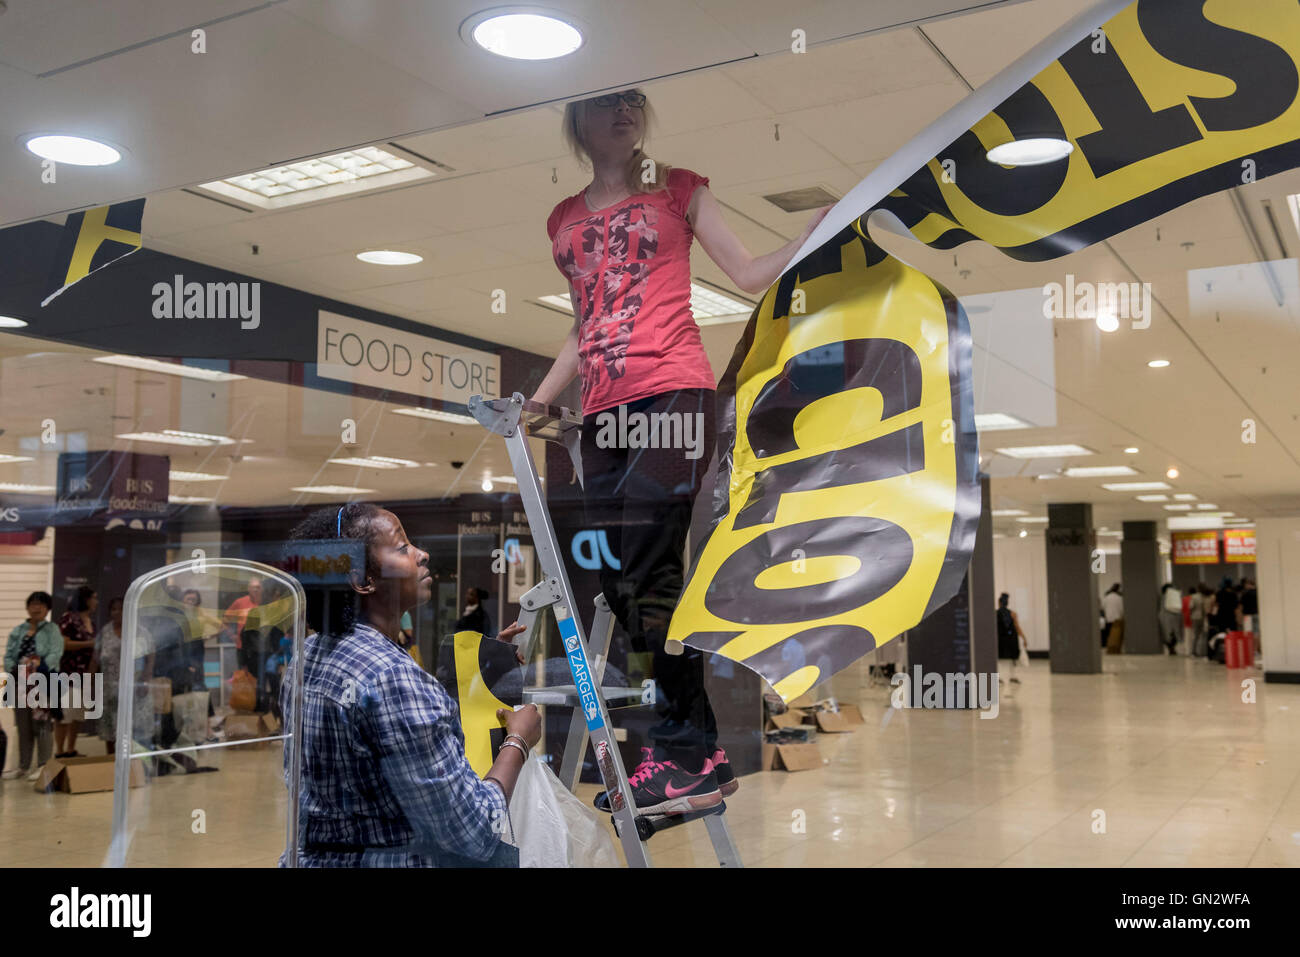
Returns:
(549, 422)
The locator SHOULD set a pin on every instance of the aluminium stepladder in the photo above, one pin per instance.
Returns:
(516, 419)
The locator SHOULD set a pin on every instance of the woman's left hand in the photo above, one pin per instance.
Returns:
(508, 634)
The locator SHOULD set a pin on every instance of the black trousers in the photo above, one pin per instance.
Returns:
(641, 498)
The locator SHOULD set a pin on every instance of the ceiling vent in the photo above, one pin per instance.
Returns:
(797, 200)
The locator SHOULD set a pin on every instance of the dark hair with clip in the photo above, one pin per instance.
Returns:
(356, 521)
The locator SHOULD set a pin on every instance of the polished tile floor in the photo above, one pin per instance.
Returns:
(1155, 763)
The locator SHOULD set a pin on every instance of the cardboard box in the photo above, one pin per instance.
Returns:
(242, 726)
(790, 719)
(84, 775)
(791, 757)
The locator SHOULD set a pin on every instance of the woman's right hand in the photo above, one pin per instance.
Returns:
(526, 722)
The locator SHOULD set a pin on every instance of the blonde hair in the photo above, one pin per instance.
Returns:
(575, 115)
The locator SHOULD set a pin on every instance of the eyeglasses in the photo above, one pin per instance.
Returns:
(611, 99)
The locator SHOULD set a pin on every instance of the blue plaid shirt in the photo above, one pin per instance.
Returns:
(385, 781)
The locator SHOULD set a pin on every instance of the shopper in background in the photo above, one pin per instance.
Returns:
(1010, 637)
(624, 245)
(1196, 606)
(34, 645)
(78, 627)
(1171, 616)
(1250, 607)
(475, 617)
(237, 614)
(108, 660)
(385, 781)
(1112, 606)
(1225, 610)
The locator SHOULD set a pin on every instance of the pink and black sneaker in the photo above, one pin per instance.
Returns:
(727, 783)
(662, 787)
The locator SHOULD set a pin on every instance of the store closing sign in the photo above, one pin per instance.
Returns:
(1238, 544)
(846, 497)
(365, 353)
(1196, 548)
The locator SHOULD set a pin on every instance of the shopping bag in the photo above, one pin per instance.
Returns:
(552, 828)
(243, 691)
(1023, 660)
(191, 714)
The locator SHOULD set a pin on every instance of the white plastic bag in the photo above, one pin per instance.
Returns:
(552, 828)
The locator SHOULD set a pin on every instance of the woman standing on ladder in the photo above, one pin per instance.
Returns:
(624, 246)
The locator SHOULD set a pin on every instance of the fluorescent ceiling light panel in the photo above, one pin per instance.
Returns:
(377, 462)
(1207, 506)
(332, 489)
(23, 487)
(1098, 471)
(1179, 507)
(438, 415)
(6, 459)
(178, 437)
(1153, 498)
(169, 368)
(189, 500)
(1184, 497)
(324, 177)
(1008, 512)
(998, 421)
(1033, 519)
(1044, 451)
(176, 475)
(1134, 486)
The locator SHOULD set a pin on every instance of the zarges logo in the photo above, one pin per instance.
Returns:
(10, 515)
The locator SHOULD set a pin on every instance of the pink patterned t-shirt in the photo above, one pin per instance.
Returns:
(629, 273)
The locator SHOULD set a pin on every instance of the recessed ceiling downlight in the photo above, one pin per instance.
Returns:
(1034, 151)
(73, 150)
(522, 33)
(389, 257)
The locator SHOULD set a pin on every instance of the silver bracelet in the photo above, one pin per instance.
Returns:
(513, 744)
(522, 743)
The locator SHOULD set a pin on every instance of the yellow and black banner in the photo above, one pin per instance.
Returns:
(847, 496)
(482, 674)
(92, 240)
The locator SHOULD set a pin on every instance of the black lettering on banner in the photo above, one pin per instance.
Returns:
(1129, 130)
(826, 260)
(887, 456)
(883, 551)
(887, 365)
(1007, 191)
(1264, 73)
(405, 352)
(428, 369)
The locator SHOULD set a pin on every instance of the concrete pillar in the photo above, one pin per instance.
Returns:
(1140, 575)
(1277, 544)
(1073, 612)
(960, 637)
